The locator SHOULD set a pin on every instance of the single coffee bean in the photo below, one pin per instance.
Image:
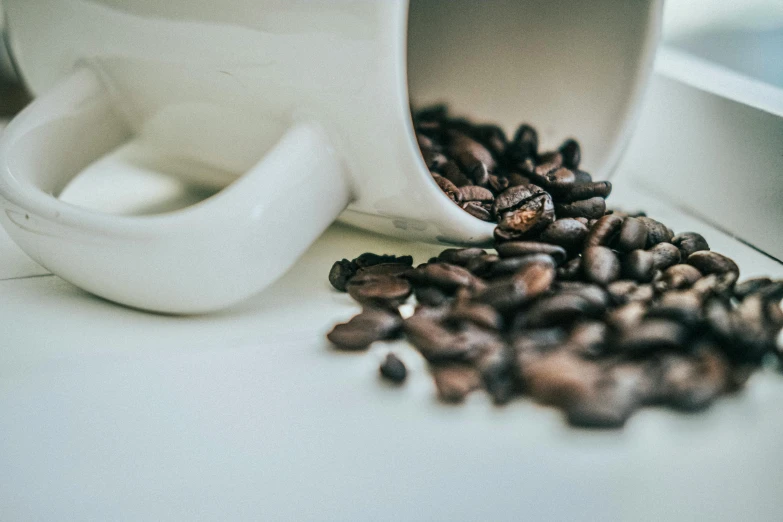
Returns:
(455, 381)
(566, 232)
(657, 232)
(446, 276)
(653, 335)
(429, 295)
(365, 328)
(452, 172)
(342, 271)
(679, 305)
(433, 340)
(608, 404)
(460, 256)
(708, 262)
(497, 372)
(481, 315)
(393, 369)
(369, 259)
(481, 265)
(556, 181)
(750, 286)
(536, 277)
(570, 270)
(383, 290)
(559, 379)
(600, 265)
(585, 190)
(448, 188)
(550, 160)
(603, 231)
(638, 265)
(510, 265)
(690, 242)
(592, 208)
(478, 210)
(514, 197)
(558, 309)
(680, 276)
(572, 153)
(625, 291)
(474, 193)
(665, 255)
(526, 248)
(469, 152)
(384, 269)
(632, 235)
(596, 297)
(692, 383)
(524, 145)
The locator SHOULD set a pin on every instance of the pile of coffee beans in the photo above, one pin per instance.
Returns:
(592, 311)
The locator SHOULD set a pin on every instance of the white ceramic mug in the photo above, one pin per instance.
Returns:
(303, 107)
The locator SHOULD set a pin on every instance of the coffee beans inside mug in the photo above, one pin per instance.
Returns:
(596, 312)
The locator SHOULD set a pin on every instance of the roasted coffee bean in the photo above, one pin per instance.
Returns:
(455, 381)
(526, 248)
(751, 286)
(708, 262)
(442, 275)
(434, 341)
(560, 379)
(603, 231)
(341, 272)
(481, 315)
(497, 372)
(529, 217)
(429, 295)
(365, 328)
(572, 153)
(369, 259)
(665, 255)
(460, 256)
(583, 177)
(379, 289)
(638, 265)
(448, 188)
(652, 335)
(434, 159)
(527, 137)
(626, 317)
(657, 232)
(611, 401)
(558, 309)
(589, 337)
(680, 276)
(510, 265)
(678, 305)
(384, 269)
(516, 179)
(425, 144)
(514, 197)
(632, 235)
(555, 181)
(477, 210)
(692, 383)
(596, 297)
(393, 369)
(690, 242)
(585, 190)
(497, 183)
(474, 193)
(567, 233)
(570, 270)
(480, 175)
(600, 265)
(527, 284)
(452, 172)
(625, 291)
(481, 265)
(469, 152)
(592, 208)
(493, 138)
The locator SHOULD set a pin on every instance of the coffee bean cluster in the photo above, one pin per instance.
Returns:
(592, 311)
(507, 181)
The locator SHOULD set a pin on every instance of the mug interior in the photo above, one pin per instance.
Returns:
(569, 68)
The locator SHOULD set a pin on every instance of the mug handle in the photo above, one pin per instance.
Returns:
(198, 259)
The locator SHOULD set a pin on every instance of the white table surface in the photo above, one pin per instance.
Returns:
(108, 413)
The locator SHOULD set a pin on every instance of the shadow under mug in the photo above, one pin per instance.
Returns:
(300, 109)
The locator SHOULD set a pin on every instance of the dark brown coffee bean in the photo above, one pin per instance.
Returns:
(559, 379)
(690, 242)
(385, 269)
(478, 210)
(589, 337)
(585, 190)
(523, 146)
(442, 275)
(433, 340)
(460, 256)
(681, 276)
(596, 297)
(455, 381)
(481, 315)
(652, 335)
(600, 265)
(567, 233)
(708, 262)
(452, 172)
(434, 160)
(625, 291)
(665, 255)
(657, 232)
(365, 328)
(678, 305)
(448, 188)
(493, 138)
(556, 181)
(379, 289)
(632, 235)
(481, 265)
(550, 160)
(626, 317)
(526, 248)
(474, 193)
(469, 152)
(610, 402)
(497, 184)
(480, 175)
(516, 179)
(751, 286)
(527, 284)
(558, 309)
(570, 270)
(603, 231)
(341, 272)
(572, 153)
(393, 369)
(592, 208)
(497, 372)
(529, 218)
(692, 383)
(638, 265)
(510, 265)
(514, 197)
(369, 259)
(718, 316)
(429, 295)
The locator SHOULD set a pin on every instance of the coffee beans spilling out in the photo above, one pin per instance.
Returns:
(596, 312)
(509, 181)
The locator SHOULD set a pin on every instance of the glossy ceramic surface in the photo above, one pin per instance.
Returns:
(307, 103)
